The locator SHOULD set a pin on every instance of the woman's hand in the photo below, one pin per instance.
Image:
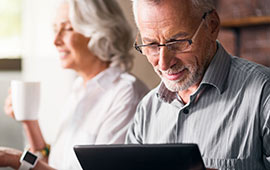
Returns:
(8, 106)
(10, 157)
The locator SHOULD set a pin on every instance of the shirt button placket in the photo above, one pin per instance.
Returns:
(185, 111)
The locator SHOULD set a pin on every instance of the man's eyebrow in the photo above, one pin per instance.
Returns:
(149, 40)
(179, 35)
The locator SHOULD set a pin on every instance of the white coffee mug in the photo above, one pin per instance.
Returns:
(25, 98)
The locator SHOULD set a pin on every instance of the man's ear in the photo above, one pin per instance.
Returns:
(214, 23)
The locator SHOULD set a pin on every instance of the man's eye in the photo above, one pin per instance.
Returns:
(153, 46)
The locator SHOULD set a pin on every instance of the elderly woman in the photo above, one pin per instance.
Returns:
(93, 38)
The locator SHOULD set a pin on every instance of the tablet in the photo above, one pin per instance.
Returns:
(140, 157)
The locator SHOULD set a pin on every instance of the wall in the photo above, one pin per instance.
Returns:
(142, 68)
(254, 40)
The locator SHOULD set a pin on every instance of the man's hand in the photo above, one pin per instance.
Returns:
(10, 157)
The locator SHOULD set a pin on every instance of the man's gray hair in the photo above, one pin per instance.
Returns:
(110, 34)
(201, 5)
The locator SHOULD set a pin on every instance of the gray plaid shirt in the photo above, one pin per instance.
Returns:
(228, 116)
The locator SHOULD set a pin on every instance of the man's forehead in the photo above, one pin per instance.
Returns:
(167, 10)
(172, 19)
(174, 4)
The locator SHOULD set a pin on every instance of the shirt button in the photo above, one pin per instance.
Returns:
(185, 111)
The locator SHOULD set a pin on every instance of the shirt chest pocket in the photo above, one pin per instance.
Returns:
(225, 164)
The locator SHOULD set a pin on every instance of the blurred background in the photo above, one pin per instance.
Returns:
(27, 53)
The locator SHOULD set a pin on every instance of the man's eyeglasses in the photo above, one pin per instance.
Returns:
(177, 46)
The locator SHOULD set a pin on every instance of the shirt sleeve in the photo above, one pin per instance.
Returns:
(114, 128)
(266, 143)
(266, 128)
(134, 135)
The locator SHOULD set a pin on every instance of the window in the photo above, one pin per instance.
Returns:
(10, 33)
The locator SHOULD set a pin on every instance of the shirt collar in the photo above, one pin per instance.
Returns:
(165, 94)
(218, 70)
(103, 80)
(215, 75)
(106, 78)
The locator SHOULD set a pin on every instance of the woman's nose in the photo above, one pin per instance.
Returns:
(58, 38)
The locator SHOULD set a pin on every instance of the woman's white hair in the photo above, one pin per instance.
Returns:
(201, 5)
(110, 34)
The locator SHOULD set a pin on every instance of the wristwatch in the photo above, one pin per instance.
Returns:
(28, 160)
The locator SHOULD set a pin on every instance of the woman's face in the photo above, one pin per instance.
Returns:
(72, 46)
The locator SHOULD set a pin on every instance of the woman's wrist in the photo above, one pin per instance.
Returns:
(34, 135)
(30, 123)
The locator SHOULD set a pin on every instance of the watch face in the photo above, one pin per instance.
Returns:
(30, 158)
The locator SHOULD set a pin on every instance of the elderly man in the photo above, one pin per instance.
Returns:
(206, 96)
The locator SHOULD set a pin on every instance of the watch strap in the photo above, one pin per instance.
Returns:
(24, 166)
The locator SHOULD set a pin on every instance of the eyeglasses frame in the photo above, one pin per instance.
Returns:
(190, 41)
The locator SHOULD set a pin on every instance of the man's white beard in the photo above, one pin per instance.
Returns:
(191, 76)
(183, 84)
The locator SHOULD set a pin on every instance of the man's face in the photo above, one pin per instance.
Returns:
(166, 22)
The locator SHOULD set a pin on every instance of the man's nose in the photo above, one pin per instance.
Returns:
(165, 58)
